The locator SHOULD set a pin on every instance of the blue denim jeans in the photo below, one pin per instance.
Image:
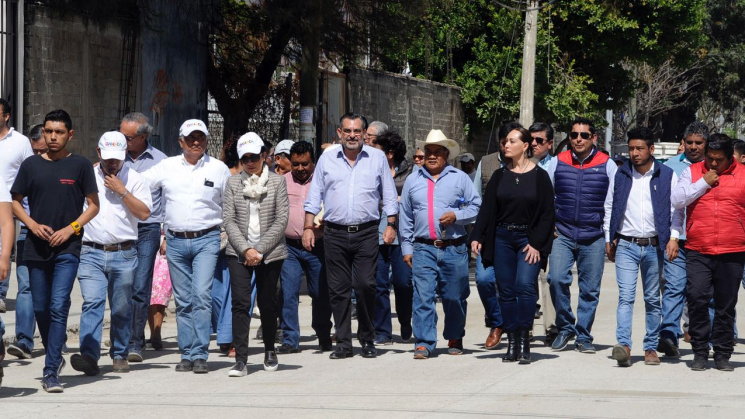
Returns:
(517, 280)
(392, 270)
(590, 259)
(630, 260)
(486, 285)
(447, 270)
(25, 320)
(51, 283)
(313, 265)
(192, 264)
(100, 274)
(148, 244)
(674, 296)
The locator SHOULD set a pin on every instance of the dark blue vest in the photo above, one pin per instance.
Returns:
(660, 189)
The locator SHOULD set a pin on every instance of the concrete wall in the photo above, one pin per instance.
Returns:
(411, 106)
(72, 66)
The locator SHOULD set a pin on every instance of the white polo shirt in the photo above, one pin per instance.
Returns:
(192, 194)
(114, 222)
(14, 149)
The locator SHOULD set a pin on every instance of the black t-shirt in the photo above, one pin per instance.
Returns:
(56, 193)
(517, 197)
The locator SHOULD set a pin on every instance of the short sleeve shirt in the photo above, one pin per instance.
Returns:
(56, 192)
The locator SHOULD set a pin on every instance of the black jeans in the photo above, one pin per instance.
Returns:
(347, 253)
(267, 277)
(716, 276)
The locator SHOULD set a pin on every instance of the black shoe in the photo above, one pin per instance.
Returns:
(325, 345)
(200, 367)
(699, 362)
(368, 350)
(271, 363)
(406, 332)
(551, 337)
(538, 312)
(157, 344)
(722, 363)
(524, 336)
(224, 349)
(85, 364)
(561, 341)
(667, 347)
(286, 348)
(184, 366)
(341, 353)
(19, 351)
(513, 347)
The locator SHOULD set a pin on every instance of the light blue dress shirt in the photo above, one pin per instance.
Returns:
(149, 158)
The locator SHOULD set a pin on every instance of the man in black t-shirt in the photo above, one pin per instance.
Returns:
(57, 183)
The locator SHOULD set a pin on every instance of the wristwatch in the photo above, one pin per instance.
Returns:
(394, 225)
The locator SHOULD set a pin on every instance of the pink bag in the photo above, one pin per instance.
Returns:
(162, 290)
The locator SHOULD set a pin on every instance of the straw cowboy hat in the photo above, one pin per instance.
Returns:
(437, 137)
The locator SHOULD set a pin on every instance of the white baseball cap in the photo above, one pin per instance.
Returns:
(466, 157)
(192, 125)
(284, 146)
(113, 145)
(249, 142)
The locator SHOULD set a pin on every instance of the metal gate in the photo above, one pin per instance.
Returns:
(11, 58)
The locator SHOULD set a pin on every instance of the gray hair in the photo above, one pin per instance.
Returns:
(696, 128)
(144, 127)
(380, 127)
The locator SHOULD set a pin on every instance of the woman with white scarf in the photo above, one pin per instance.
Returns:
(255, 216)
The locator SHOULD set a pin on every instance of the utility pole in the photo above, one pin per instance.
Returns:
(311, 41)
(527, 86)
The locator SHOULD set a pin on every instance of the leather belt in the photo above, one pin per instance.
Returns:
(294, 242)
(351, 228)
(192, 234)
(440, 244)
(513, 226)
(111, 247)
(653, 241)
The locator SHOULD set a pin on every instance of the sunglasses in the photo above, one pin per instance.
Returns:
(418, 157)
(253, 158)
(585, 135)
(539, 140)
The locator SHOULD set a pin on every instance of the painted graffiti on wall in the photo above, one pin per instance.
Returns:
(167, 91)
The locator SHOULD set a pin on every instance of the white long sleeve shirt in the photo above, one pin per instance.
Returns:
(686, 192)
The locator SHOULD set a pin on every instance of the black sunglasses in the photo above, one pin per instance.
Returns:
(253, 158)
(418, 157)
(585, 135)
(539, 140)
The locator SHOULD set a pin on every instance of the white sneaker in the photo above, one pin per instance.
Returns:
(238, 370)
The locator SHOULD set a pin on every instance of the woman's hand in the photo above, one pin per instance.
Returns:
(253, 257)
(533, 256)
(476, 247)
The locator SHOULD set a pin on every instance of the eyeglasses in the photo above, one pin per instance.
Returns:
(418, 157)
(132, 137)
(253, 158)
(539, 140)
(585, 135)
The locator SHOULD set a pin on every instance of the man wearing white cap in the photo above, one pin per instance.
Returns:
(282, 157)
(192, 187)
(436, 205)
(468, 165)
(108, 258)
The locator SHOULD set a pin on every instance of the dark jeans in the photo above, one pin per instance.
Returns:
(148, 244)
(716, 276)
(51, 284)
(517, 280)
(347, 252)
(267, 276)
(392, 270)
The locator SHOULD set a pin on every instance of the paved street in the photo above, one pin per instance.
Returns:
(309, 384)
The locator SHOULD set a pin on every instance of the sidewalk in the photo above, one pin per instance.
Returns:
(309, 384)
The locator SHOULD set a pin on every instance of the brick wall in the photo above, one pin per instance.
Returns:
(72, 66)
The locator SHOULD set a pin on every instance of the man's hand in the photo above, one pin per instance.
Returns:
(41, 231)
(60, 236)
(113, 183)
(610, 251)
(672, 249)
(389, 235)
(448, 218)
(309, 239)
(163, 248)
(4, 268)
(408, 259)
(476, 247)
(711, 177)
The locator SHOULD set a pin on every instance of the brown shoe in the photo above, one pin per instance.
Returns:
(121, 365)
(622, 355)
(651, 358)
(495, 336)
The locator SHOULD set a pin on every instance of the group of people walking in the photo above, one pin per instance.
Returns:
(359, 220)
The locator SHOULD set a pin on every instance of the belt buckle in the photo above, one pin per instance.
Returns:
(438, 243)
(510, 227)
(353, 229)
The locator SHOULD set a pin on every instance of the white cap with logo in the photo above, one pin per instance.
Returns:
(113, 145)
(192, 125)
(249, 142)
(284, 146)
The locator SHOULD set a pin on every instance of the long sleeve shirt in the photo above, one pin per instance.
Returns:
(424, 200)
(351, 194)
(687, 191)
(149, 158)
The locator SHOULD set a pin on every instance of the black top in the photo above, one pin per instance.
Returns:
(56, 193)
(526, 198)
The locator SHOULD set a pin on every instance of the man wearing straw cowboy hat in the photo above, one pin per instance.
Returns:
(436, 205)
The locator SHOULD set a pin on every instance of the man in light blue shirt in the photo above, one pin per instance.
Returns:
(140, 157)
(436, 205)
(351, 181)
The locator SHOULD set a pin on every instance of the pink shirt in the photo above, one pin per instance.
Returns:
(296, 194)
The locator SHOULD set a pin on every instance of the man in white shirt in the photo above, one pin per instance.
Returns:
(640, 224)
(192, 185)
(108, 258)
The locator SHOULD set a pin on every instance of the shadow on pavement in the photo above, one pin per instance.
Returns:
(70, 381)
(6, 392)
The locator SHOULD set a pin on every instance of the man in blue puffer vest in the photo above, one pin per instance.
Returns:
(581, 178)
(639, 226)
